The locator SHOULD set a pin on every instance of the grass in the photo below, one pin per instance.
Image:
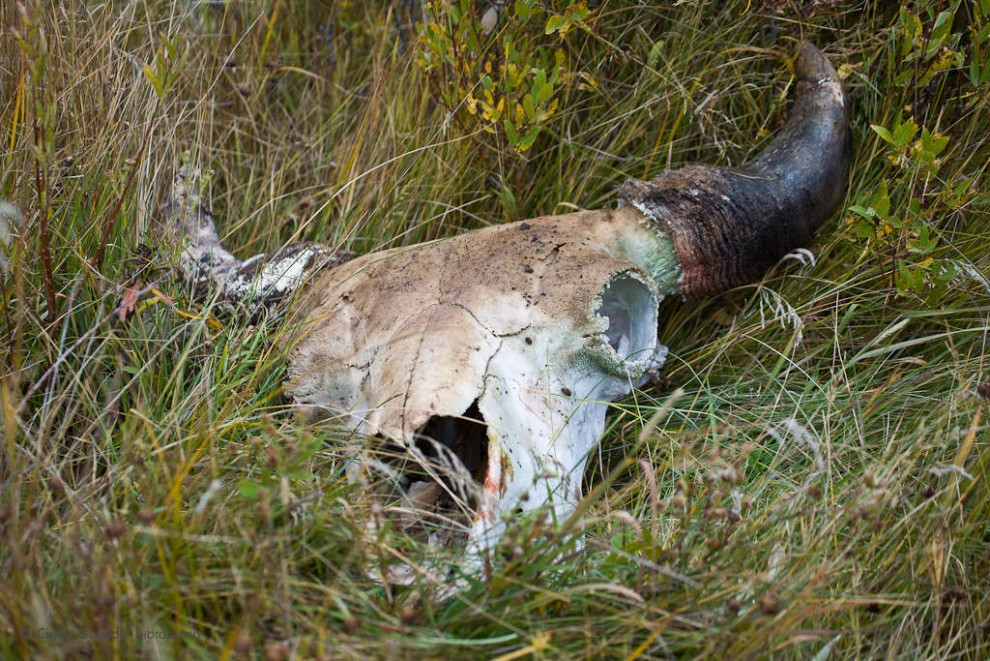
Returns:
(813, 485)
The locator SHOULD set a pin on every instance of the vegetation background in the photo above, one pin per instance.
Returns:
(817, 485)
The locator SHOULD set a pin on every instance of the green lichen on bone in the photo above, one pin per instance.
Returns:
(652, 249)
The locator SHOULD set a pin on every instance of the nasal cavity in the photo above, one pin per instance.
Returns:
(630, 307)
(465, 435)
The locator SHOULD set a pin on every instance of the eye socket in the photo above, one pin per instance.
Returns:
(630, 306)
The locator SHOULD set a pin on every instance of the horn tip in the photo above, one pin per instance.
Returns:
(811, 64)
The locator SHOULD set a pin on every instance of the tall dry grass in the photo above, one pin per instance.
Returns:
(816, 482)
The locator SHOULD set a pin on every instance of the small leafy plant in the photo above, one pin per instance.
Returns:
(502, 67)
(899, 218)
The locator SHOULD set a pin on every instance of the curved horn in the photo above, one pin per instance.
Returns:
(730, 225)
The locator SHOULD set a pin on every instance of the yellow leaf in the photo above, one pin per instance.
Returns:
(540, 641)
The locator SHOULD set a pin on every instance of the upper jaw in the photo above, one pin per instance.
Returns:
(540, 434)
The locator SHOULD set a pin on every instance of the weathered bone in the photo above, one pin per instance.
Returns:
(262, 280)
(520, 335)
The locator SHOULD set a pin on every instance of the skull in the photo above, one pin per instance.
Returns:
(522, 353)
(491, 357)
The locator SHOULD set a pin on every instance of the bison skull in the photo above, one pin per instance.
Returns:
(526, 348)
(493, 355)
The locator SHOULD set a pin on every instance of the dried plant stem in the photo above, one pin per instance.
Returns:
(44, 234)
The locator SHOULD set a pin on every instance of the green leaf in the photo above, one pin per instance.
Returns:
(880, 202)
(865, 212)
(154, 79)
(940, 144)
(926, 242)
(883, 133)
(543, 92)
(249, 489)
(960, 189)
(529, 138)
(904, 133)
(941, 30)
(933, 144)
(170, 47)
(863, 230)
(974, 73)
(655, 53)
(911, 28)
(558, 24)
(539, 77)
(472, 40)
(983, 35)
(510, 132)
(903, 78)
(529, 106)
(523, 10)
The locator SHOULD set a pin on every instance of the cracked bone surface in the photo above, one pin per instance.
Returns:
(497, 352)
